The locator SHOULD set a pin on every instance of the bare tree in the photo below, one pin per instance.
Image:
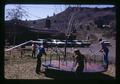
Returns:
(16, 14)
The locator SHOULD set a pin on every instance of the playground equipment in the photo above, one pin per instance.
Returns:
(65, 64)
(54, 61)
(62, 64)
(62, 59)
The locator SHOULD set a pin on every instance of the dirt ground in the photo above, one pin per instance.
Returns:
(24, 68)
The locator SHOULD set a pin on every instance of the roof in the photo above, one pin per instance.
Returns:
(44, 30)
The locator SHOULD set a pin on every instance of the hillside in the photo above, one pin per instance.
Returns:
(87, 21)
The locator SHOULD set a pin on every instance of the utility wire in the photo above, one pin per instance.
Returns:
(31, 14)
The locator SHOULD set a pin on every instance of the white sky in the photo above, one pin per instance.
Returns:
(42, 11)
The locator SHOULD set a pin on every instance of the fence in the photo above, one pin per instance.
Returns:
(18, 60)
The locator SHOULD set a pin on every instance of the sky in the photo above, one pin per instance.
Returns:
(36, 12)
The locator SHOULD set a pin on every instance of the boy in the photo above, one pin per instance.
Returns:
(34, 47)
(80, 60)
(105, 51)
(40, 53)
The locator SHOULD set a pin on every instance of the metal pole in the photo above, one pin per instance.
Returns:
(65, 51)
(45, 59)
(14, 39)
(59, 60)
(21, 52)
(58, 55)
(50, 58)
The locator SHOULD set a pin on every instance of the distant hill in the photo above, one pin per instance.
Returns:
(85, 19)
(88, 23)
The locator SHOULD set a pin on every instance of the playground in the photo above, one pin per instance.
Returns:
(84, 32)
(22, 66)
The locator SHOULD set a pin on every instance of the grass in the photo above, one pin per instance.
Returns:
(17, 67)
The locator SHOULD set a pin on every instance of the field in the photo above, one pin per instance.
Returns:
(23, 67)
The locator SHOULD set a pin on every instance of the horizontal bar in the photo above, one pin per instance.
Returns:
(18, 46)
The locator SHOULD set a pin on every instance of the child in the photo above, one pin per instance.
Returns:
(105, 51)
(34, 47)
(40, 53)
(80, 60)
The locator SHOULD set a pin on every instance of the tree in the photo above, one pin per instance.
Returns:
(48, 22)
(16, 14)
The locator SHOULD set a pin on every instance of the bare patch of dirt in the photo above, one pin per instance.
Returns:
(23, 71)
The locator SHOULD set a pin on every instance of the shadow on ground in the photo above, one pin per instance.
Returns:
(61, 75)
